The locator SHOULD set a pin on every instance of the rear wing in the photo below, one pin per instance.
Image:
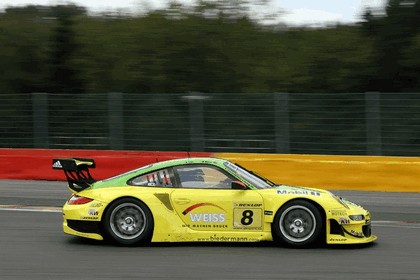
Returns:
(76, 171)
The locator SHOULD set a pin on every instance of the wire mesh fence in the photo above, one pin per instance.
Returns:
(355, 123)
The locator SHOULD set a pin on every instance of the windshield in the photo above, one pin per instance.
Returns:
(249, 176)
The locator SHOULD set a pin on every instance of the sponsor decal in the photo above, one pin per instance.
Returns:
(338, 212)
(219, 226)
(268, 213)
(96, 205)
(354, 233)
(343, 221)
(89, 218)
(216, 238)
(195, 206)
(338, 239)
(201, 226)
(298, 192)
(229, 239)
(247, 205)
(208, 217)
(57, 164)
(231, 166)
(215, 226)
(93, 212)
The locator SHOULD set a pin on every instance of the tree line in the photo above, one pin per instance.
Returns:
(208, 47)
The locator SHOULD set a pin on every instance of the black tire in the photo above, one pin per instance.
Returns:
(298, 223)
(128, 221)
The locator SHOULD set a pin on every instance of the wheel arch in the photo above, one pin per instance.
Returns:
(314, 203)
(121, 198)
(124, 197)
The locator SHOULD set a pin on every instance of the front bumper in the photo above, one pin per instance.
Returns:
(356, 233)
(341, 229)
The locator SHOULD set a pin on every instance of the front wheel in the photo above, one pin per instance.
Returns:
(298, 223)
(128, 221)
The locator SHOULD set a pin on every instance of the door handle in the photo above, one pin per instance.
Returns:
(182, 200)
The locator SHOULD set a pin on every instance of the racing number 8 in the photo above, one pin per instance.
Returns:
(247, 217)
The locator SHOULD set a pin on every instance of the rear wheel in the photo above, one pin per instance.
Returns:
(298, 223)
(128, 221)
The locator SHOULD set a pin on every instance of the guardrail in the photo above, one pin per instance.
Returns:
(284, 123)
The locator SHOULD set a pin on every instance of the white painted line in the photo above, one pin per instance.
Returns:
(23, 208)
(396, 224)
(30, 210)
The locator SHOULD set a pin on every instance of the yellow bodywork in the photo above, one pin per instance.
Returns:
(219, 215)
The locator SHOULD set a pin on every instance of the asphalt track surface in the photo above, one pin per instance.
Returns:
(32, 246)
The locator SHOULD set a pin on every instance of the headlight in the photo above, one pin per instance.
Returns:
(357, 217)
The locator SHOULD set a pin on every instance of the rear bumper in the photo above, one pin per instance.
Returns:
(83, 220)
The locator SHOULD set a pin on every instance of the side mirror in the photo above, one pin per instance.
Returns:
(238, 185)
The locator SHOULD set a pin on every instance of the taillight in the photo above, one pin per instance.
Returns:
(75, 199)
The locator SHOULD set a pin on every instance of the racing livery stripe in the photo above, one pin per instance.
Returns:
(192, 207)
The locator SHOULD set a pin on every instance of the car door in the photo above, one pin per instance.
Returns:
(205, 200)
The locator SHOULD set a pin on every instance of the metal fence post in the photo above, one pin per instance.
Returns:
(195, 100)
(116, 120)
(282, 122)
(40, 120)
(373, 123)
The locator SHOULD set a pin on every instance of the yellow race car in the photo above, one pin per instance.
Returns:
(208, 200)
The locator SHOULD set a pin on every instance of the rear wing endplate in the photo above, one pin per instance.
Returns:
(76, 171)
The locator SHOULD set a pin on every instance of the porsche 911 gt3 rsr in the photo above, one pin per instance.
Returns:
(205, 199)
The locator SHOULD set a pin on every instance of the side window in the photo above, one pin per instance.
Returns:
(160, 178)
(203, 177)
